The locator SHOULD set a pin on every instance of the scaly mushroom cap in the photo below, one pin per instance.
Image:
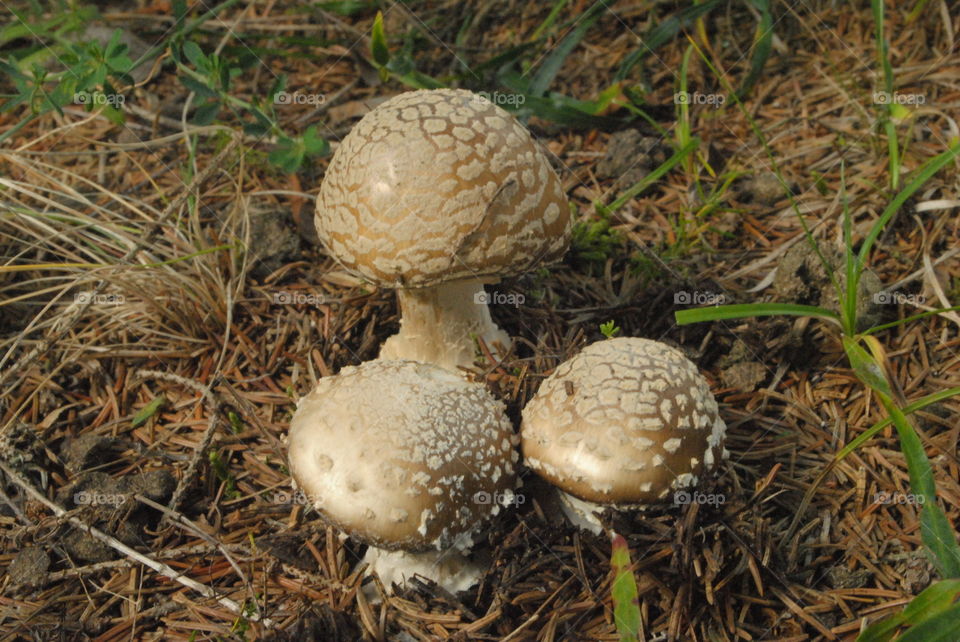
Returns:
(397, 453)
(624, 422)
(439, 185)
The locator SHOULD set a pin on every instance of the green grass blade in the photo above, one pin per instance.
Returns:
(550, 19)
(934, 599)
(881, 631)
(865, 366)
(558, 109)
(858, 441)
(848, 299)
(938, 536)
(926, 171)
(762, 46)
(665, 31)
(915, 317)
(551, 66)
(916, 12)
(935, 529)
(378, 42)
(148, 411)
(919, 404)
(888, 126)
(510, 55)
(943, 627)
(626, 607)
(652, 177)
(742, 310)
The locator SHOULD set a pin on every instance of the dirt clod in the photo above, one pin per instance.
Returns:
(842, 578)
(29, 568)
(764, 188)
(274, 240)
(802, 278)
(630, 157)
(745, 376)
(88, 450)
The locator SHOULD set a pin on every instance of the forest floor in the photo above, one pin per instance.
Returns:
(164, 302)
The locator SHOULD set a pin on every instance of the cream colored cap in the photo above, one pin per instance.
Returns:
(439, 185)
(624, 422)
(402, 455)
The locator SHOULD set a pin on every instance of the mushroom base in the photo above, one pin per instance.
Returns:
(449, 568)
(438, 325)
(581, 513)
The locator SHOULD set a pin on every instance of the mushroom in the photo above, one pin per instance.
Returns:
(622, 424)
(408, 458)
(436, 192)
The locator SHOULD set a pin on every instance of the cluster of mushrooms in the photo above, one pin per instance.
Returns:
(436, 193)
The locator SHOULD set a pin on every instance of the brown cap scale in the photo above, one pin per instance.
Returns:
(623, 423)
(396, 454)
(435, 192)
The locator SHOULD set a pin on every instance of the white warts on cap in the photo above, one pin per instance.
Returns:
(433, 188)
(412, 421)
(640, 421)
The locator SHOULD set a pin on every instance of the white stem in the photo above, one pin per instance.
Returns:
(581, 512)
(449, 568)
(438, 325)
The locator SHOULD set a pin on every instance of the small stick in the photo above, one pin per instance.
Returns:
(119, 546)
(202, 549)
(213, 408)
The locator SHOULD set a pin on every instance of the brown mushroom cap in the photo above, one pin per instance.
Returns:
(396, 453)
(439, 185)
(624, 422)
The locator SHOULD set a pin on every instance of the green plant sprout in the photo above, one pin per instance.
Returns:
(610, 329)
(626, 606)
(223, 473)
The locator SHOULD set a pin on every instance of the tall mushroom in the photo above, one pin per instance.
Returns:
(622, 424)
(436, 192)
(409, 458)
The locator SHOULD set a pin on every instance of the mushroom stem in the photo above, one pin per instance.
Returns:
(581, 513)
(438, 323)
(449, 568)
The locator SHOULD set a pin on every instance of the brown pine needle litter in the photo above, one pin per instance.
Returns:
(163, 303)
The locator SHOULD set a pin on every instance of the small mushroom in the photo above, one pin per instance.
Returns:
(409, 458)
(639, 423)
(436, 192)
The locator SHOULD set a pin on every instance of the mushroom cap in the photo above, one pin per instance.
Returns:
(624, 422)
(439, 185)
(401, 454)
